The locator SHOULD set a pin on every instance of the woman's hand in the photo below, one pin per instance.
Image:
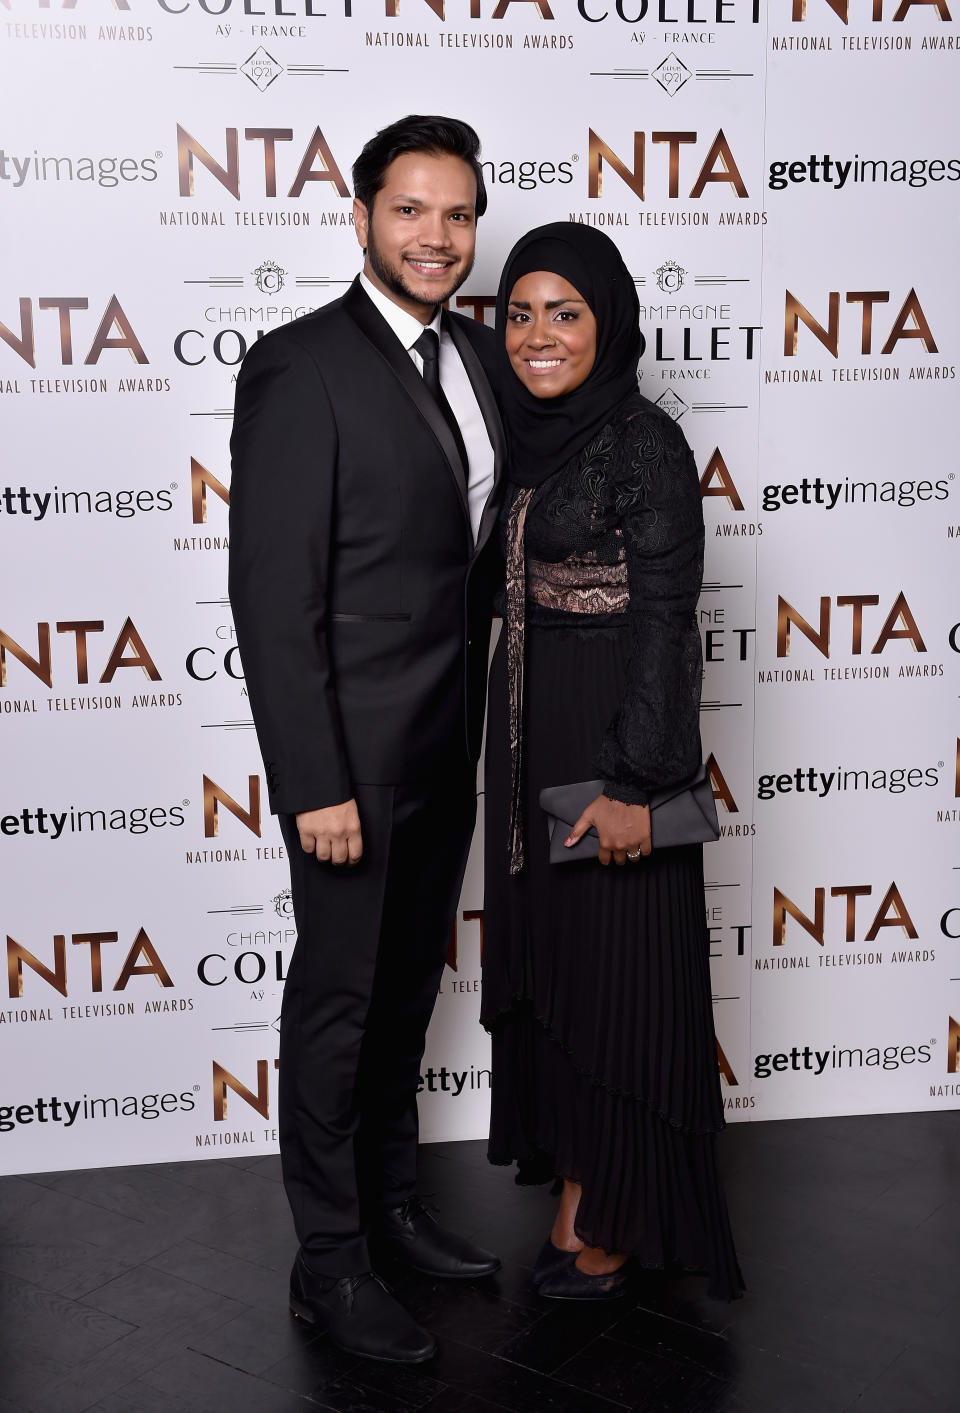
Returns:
(623, 829)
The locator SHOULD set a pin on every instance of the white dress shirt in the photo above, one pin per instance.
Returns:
(457, 389)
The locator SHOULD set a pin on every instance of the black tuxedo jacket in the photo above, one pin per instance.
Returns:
(362, 608)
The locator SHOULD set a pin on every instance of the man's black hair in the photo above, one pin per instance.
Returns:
(435, 135)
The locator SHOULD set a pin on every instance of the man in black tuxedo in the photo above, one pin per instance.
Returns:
(365, 466)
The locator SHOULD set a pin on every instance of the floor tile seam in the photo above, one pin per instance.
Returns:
(139, 1265)
(57, 1249)
(78, 1301)
(261, 1373)
(108, 1352)
(947, 1202)
(776, 1143)
(674, 1355)
(257, 1378)
(895, 1182)
(525, 1333)
(265, 1384)
(198, 1320)
(70, 1380)
(721, 1335)
(81, 1297)
(857, 1402)
(149, 1219)
(486, 1405)
(502, 1301)
(218, 1251)
(75, 1197)
(802, 1362)
(35, 1177)
(355, 1381)
(109, 1392)
(860, 1147)
(875, 1380)
(26, 1179)
(202, 1187)
(346, 1373)
(538, 1374)
(844, 1203)
(15, 1275)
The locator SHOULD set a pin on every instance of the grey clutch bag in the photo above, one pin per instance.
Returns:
(683, 814)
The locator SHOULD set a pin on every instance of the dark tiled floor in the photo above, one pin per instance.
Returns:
(147, 1290)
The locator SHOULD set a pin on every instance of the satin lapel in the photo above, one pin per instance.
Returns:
(385, 341)
(491, 416)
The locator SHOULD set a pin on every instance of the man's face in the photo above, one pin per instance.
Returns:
(421, 232)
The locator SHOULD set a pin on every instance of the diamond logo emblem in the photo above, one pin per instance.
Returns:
(261, 68)
(673, 404)
(672, 74)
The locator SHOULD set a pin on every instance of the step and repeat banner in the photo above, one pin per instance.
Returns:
(782, 178)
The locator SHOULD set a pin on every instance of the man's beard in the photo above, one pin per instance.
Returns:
(392, 278)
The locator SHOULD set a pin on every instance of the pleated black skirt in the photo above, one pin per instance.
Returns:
(596, 991)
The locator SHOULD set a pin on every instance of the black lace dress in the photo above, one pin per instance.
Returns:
(596, 981)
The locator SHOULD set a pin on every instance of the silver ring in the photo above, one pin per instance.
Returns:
(633, 857)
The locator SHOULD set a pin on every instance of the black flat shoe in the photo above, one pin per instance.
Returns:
(410, 1235)
(551, 1258)
(570, 1283)
(360, 1316)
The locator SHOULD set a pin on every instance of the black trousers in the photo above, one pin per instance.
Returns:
(360, 990)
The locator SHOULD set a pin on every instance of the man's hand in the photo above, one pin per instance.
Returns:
(333, 834)
(623, 829)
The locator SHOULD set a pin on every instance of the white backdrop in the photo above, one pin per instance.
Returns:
(174, 180)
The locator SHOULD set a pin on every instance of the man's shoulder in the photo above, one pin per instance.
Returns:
(311, 328)
(314, 334)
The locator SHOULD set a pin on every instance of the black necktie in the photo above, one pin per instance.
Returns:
(428, 347)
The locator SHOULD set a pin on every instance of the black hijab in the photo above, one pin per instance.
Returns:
(545, 432)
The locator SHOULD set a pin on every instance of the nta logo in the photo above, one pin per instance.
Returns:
(42, 665)
(24, 344)
(141, 960)
(892, 912)
(909, 323)
(788, 617)
(227, 173)
(718, 165)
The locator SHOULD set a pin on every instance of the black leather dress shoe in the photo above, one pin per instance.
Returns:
(360, 1315)
(570, 1283)
(410, 1235)
(552, 1258)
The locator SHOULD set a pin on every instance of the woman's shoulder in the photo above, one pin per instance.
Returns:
(638, 414)
(647, 433)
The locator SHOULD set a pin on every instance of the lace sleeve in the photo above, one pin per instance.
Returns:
(654, 739)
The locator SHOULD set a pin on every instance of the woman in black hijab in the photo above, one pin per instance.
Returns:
(596, 979)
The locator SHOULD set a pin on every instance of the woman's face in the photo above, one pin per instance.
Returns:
(551, 335)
